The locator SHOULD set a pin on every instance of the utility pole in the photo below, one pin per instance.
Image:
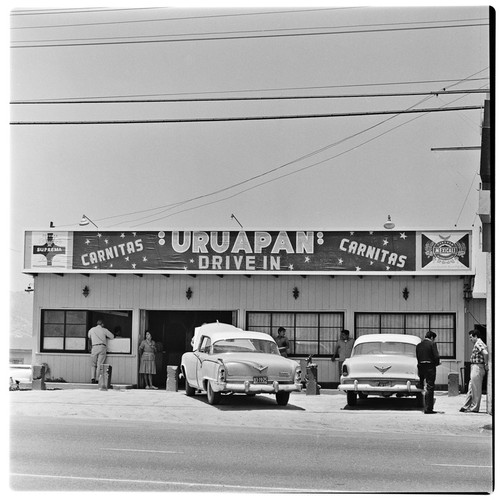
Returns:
(484, 213)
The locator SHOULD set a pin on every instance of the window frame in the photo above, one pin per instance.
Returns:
(405, 330)
(90, 314)
(291, 329)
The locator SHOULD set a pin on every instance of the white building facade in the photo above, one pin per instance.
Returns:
(313, 283)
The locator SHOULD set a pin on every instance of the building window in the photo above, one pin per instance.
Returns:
(309, 333)
(66, 330)
(443, 324)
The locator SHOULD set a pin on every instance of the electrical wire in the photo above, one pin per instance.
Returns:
(467, 197)
(24, 12)
(173, 205)
(382, 84)
(283, 175)
(254, 98)
(298, 170)
(245, 37)
(233, 32)
(164, 208)
(188, 18)
(246, 118)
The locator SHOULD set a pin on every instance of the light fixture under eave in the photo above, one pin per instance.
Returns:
(389, 224)
(29, 288)
(85, 291)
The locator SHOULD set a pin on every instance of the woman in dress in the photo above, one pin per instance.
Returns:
(147, 369)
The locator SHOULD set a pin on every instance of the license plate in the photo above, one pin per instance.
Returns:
(260, 380)
(386, 383)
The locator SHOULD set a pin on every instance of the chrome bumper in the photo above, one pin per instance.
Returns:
(360, 387)
(251, 388)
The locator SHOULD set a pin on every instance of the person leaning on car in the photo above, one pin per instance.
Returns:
(427, 361)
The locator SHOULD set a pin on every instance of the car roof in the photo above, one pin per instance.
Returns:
(388, 337)
(208, 329)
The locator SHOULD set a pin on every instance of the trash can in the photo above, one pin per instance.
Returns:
(105, 377)
(453, 385)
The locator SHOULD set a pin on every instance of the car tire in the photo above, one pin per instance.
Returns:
(212, 396)
(352, 398)
(282, 398)
(190, 390)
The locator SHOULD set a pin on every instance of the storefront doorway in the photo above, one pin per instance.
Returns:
(173, 331)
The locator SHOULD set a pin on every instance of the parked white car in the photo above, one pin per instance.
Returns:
(20, 374)
(228, 360)
(384, 365)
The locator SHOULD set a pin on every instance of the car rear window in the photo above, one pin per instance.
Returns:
(369, 348)
(245, 345)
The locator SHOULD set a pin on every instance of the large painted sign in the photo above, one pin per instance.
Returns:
(250, 252)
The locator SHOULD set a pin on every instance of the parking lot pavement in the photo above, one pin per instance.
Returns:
(323, 412)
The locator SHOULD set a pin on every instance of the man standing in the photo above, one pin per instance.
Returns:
(427, 361)
(98, 336)
(343, 349)
(478, 368)
(282, 341)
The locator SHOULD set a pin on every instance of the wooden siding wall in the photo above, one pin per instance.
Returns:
(348, 294)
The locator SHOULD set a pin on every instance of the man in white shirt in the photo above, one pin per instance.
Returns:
(98, 336)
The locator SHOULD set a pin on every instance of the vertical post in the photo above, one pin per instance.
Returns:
(38, 378)
(489, 335)
(105, 377)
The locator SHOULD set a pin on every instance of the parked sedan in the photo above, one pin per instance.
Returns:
(228, 360)
(19, 374)
(384, 365)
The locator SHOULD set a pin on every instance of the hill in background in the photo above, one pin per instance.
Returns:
(21, 320)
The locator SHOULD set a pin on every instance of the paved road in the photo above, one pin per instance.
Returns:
(77, 454)
(148, 441)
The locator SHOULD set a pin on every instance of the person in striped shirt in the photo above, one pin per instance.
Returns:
(478, 368)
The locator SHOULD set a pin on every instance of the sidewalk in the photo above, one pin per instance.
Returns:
(327, 411)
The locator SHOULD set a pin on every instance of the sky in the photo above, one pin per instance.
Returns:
(373, 65)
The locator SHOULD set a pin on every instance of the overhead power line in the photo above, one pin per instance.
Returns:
(183, 18)
(247, 118)
(246, 37)
(164, 208)
(24, 12)
(302, 169)
(254, 98)
(282, 89)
